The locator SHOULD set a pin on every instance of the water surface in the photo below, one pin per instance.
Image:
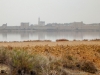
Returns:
(48, 35)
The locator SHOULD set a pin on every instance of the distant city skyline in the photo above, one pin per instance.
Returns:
(13, 12)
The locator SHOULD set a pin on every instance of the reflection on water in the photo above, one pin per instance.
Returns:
(36, 35)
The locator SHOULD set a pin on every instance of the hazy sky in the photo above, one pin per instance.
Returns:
(13, 12)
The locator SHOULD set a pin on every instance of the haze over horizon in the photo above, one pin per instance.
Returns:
(13, 12)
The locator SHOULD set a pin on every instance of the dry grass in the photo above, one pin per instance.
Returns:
(64, 43)
(52, 57)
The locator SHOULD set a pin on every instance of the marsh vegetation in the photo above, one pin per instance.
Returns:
(51, 60)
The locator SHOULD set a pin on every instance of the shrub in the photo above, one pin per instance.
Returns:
(98, 50)
(61, 40)
(85, 40)
(21, 60)
(69, 57)
(88, 67)
(4, 56)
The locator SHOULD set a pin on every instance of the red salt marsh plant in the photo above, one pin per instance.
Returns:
(61, 40)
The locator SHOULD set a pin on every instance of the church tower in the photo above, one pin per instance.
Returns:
(39, 21)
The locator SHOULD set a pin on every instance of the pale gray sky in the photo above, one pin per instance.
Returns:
(13, 12)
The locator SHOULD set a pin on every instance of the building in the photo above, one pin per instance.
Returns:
(74, 26)
(4, 26)
(78, 25)
(41, 23)
(25, 25)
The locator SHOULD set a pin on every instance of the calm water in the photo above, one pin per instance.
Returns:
(36, 35)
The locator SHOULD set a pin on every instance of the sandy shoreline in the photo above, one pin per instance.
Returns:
(21, 44)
